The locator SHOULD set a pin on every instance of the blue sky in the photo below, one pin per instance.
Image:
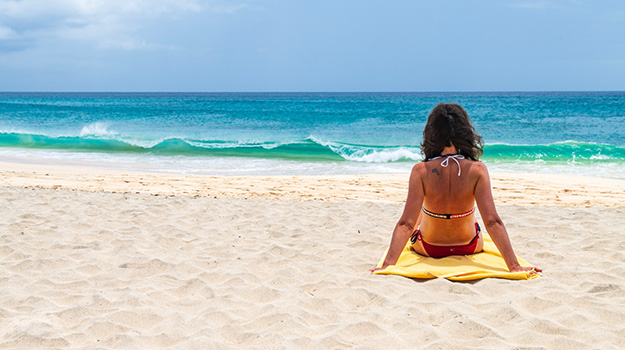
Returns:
(290, 45)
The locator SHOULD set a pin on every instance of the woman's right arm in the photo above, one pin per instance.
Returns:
(492, 221)
(409, 218)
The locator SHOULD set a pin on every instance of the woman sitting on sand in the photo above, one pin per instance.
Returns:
(442, 193)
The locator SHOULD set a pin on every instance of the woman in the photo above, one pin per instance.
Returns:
(442, 193)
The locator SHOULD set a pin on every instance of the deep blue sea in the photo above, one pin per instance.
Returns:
(579, 133)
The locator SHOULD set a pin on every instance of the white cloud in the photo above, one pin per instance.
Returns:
(93, 8)
(105, 23)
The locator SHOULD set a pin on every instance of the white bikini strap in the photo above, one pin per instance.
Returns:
(455, 157)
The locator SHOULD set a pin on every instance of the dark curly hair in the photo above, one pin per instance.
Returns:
(450, 124)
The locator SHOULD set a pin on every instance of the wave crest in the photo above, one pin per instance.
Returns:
(97, 137)
(97, 129)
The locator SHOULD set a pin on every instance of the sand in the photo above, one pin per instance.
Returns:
(96, 258)
(508, 189)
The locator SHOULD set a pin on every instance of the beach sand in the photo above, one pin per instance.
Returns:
(97, 258)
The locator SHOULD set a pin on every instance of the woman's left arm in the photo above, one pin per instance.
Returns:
(494, 225)
(406, 224)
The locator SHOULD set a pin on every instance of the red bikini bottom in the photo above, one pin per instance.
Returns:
(439, 251)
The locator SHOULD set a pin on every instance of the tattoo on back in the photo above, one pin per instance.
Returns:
(436, 171)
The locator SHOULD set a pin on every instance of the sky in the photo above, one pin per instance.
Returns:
(312, 45)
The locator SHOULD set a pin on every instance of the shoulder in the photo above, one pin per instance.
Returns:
(418, 173)
(478, 170)
(419, 169)
(478, 166)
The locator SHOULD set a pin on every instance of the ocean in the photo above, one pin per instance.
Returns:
(577, 133)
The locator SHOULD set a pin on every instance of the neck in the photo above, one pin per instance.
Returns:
(449, 150)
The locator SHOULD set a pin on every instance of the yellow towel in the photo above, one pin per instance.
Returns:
(487, 263)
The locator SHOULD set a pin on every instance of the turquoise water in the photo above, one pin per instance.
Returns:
(301, 133)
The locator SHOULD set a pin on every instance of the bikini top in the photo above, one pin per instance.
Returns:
(444, 164)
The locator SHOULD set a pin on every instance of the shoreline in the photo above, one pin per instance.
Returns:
(516, 189)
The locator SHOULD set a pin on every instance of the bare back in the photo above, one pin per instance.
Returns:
(446, 192)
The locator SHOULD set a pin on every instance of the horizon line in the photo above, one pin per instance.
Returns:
(310, 92)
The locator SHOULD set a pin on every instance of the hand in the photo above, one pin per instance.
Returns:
(376, 269)
(527, 268)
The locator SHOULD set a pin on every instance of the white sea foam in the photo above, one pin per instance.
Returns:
(367, 154)
(231, 144)
(228, 166)
(96, 129)
(234, 166)
(383, 156)
(600, 157)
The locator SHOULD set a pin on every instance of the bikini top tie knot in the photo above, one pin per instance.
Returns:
(455, 158)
